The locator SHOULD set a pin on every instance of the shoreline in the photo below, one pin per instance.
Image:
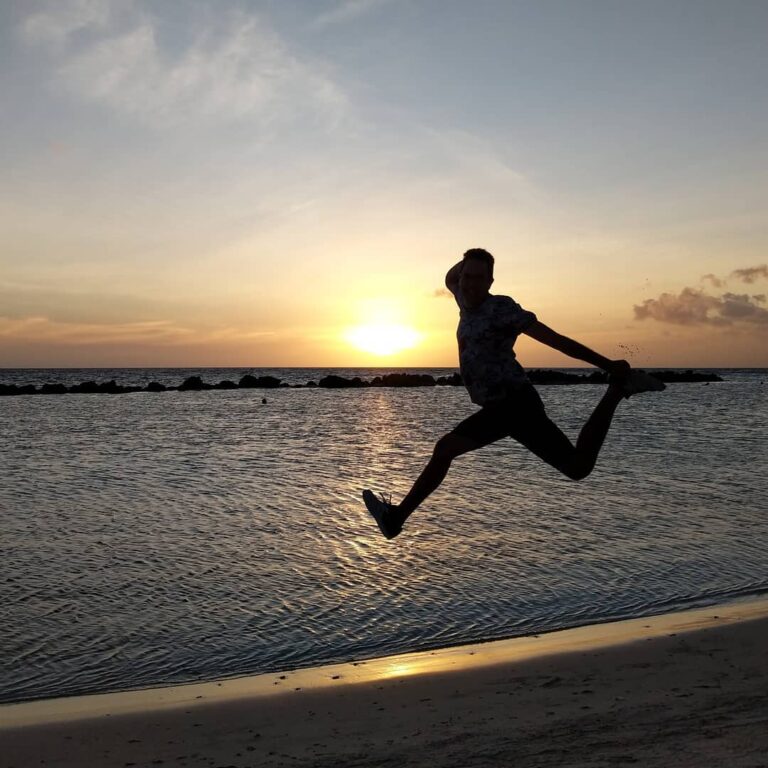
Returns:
(685, 690)
(464, 657)
(317, 670)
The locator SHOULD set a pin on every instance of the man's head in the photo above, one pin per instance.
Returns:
(476, 276)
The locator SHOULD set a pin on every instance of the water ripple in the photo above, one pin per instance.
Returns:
(156, 539)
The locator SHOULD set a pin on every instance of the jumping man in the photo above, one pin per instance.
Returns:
(509, 405)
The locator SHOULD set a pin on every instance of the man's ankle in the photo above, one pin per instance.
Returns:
(399, 514)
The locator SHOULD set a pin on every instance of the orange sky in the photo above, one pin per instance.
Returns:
(251, 187)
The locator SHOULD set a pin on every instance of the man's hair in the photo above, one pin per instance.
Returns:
(480, 254)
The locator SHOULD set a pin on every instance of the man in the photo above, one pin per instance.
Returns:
(509, 405)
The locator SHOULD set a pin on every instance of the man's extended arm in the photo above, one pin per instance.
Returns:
(572, 348)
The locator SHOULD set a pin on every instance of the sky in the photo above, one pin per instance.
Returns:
(286, 182)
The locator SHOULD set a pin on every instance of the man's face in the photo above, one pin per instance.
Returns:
(475, 282)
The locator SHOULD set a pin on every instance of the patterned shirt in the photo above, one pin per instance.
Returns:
(486, 336)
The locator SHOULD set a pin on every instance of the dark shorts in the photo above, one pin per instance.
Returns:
(521, 416)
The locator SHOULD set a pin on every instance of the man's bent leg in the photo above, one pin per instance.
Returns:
(446, 450)
(594, 432)
(543, 437)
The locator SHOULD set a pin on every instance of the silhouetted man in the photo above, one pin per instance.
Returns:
(509, 405)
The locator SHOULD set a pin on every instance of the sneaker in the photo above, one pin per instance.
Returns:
(639, 381)
(381, 511)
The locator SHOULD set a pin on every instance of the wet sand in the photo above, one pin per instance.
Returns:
(685, 689)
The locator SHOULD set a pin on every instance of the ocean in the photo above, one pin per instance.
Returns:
(159, 538)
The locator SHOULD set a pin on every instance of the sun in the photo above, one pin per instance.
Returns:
(383, 338)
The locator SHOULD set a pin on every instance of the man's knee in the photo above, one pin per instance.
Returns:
(449, 446)
(577, 470)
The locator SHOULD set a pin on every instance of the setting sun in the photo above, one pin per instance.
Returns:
(383, 339)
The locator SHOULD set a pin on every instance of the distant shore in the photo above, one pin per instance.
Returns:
(684, 689)
(333, 381)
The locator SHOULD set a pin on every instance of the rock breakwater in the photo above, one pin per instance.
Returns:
(331, 381)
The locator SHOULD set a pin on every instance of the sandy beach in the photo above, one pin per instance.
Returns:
(685, 689)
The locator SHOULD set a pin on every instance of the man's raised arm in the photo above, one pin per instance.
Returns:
(452, 278)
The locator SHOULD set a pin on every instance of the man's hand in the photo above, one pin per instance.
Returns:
(452, 278)
(620, 368)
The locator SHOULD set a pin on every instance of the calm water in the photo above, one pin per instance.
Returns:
(160, 538)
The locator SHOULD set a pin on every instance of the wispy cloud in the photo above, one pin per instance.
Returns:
(150, 333)
(347, 10)
(714, 279)
(475, 156)
(236, 68)
(751, 274)
(694, 306)
(62, 20)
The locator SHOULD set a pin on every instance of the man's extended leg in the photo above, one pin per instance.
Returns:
(481, 428)
(446, 450)
(391, 517)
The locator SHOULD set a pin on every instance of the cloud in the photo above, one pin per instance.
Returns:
(740, 307)
(716, 281)
(475, 156)
(348, 10)
(150, 333)
(690, 307)
(751, 274)
(442, 293)
(746, 275)
(231, 68)
(65, 19)
(695, 307)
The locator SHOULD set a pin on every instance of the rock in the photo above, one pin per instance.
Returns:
(156, 386)
(404, 380)
(261, 382)
(339, 382)
(558, 377)
(194, 383)
(53, 389)
(226, 384)
(85, 388)
(13, 389)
